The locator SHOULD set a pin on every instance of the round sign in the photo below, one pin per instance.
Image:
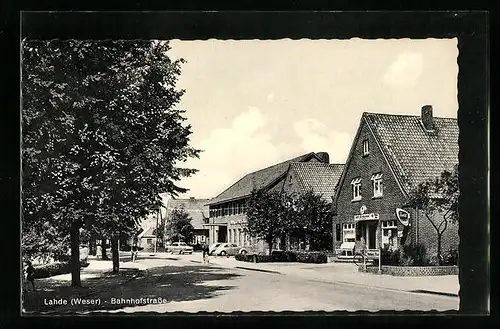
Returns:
(403, 216)
(362, 210)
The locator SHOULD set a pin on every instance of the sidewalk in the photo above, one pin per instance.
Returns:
(348, 273)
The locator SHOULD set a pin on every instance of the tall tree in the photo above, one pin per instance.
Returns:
(313, 216)
(438, 198)
(179, 227)
(268, 214)
(100, 131)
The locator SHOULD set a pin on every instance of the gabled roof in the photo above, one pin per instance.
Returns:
(415, 154)
(147, 233)
(258, 179)
(196, 209)
(412, 153)
(322, 178)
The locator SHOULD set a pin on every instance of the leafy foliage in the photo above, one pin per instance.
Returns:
(268, 215)
(313, 216)
(438, 196)
(102, 136)
(179, 227)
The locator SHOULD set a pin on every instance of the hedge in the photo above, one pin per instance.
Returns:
(45, 271)
(286, 256)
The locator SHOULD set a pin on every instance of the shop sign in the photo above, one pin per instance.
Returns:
(403, 216)
(362, 217)
(400, 234)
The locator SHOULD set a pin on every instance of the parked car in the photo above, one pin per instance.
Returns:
(212, 248)
(229, 249)
(180, 248)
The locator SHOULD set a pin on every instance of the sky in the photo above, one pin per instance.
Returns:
(255, 103)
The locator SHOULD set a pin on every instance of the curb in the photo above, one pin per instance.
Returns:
(430, 292)
(257, 270)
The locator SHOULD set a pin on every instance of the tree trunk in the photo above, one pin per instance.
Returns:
(103, 249)
(92, 246)
(115, 254)
(439, 247)
(270, 242)
(75, 256)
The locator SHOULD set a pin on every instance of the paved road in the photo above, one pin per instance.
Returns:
(191, 287)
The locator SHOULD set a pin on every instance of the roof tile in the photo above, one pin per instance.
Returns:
(322, 178)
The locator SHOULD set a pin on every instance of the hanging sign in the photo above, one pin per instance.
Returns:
(403, 216)
(400, 234)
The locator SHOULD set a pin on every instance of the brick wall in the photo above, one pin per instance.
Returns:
(427, 234)
(365, 167)
(412, 270)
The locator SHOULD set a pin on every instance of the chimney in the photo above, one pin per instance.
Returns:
(427, 119)
(192, 198)
(325, 158)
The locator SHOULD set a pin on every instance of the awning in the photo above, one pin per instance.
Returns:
(356, 180)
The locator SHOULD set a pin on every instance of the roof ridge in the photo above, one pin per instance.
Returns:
(283, 162)
(405, 115)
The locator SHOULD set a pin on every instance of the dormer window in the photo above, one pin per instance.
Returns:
(366, 147)
(377, 185)
(356, 189)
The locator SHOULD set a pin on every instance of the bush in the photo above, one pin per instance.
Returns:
(416, 253)
(315, 257)
(283, 256)
(451, 257)
(390, 257)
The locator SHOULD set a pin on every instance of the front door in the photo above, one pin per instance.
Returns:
(222, 234)
(371, 235)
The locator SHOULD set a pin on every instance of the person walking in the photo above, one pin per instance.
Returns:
(30, 274)
(206, 260)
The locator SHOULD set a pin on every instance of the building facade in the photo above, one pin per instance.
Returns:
(197, 210)
(391, 155)
(227, 210)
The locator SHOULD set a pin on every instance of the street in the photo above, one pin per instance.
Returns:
(178, 284)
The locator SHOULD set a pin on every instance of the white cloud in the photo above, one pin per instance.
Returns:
(316, 137)
(232, 152)
(270, 97)
(405, 70)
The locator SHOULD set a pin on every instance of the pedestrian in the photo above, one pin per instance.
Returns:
(30, 274)
(206, 259)
(98, 252)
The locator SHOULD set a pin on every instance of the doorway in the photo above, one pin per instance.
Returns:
(371, 235)
(222, 234)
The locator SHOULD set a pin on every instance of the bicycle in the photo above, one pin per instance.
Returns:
(359, 258)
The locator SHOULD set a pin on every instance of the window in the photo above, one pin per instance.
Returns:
(377, 185)
(149, 241)
(337, 232)
(349, 232)
(389, 234)
(356, 189)
(366, 147)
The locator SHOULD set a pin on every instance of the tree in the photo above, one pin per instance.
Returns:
(102, 136)
(268, 214)
(313, 217)
(179, 227)
(438, 198)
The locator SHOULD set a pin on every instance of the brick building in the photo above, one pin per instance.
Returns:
(197, 210)
(390, 155)
(227, 210)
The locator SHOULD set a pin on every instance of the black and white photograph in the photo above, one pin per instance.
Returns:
(169, 175)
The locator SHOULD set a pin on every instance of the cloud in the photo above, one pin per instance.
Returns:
(316, 137)
(270, 97)
(404, 71)
(232, 152)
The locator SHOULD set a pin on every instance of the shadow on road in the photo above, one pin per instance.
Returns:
(170, 283)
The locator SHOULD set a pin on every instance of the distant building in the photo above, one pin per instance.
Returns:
(147, 239)
(227, 210)
(197, 210)
(391, 155)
